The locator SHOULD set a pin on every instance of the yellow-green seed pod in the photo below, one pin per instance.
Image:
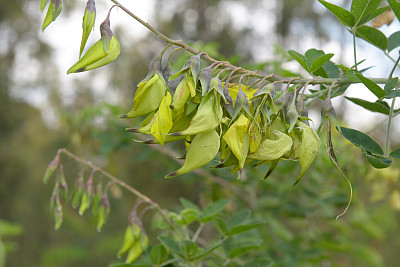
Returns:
(162, 119)
(255, 135)
(207, 118)
(272, 149)
(308, 148)
(130, 239)
(87, 23)
(53, 11)
(203, 148)
(148, 96)
(134, 253)
(238, 139)
(182, 93)
(95, 57)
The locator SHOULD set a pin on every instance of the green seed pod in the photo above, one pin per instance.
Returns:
(104, 211)
(63, 183)
(88, 23)
(51, 168)
(43, 3)
(58, 216)
(205, 79)
(216, 84)
(53, 11)
(95, 57)
(281, 101)
(238, 139)
(202, 150)
(308, 148)
(130, 239)
(328, 111)
(207, 118)
(134, 253)
(291, 115)
(183, 91)
(162, 119)
(148, 96)
(272, 149)
(78, 191)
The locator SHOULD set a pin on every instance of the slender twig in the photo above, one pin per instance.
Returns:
(120, 183)
(354, 47)
(388, 127)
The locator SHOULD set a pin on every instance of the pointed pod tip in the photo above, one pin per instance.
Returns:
(124, 116)
(172, 174)
(177, 134)
(133, 130)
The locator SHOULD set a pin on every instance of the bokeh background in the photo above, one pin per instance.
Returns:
(42, 109)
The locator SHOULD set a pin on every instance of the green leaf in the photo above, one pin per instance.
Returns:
(158, 254)
(395, 6)
(189, 249)
(312, 54)
(391, 84)
(378, 106)
(373, 36)
(393, 94)
(374, 14)
(244, 227)
(189, 215)
(213, 210)
(202, 150)
(220, 225)
(372, 86)
(299, 58)
(395, 153)
(242, 246)
(394, 41)
(363, 8)
(342, 14)
(171, 244)
(188, 204)
(352, 75)
(239, 218)
(260, 263)
(320, 61)
(376, 161)
(362, 140)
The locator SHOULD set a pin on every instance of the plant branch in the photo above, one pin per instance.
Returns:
(256, 74)
(388, 128)
(354, 47)
(120, 183)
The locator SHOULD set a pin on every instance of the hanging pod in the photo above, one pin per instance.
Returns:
(87, 23)
(162, 119)
(203, 148)
(308, 148)
(53, 11)
(207, 118)
(148, 96)
(272, 149)
(184, 89)
(238, 139)
(104, 51)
